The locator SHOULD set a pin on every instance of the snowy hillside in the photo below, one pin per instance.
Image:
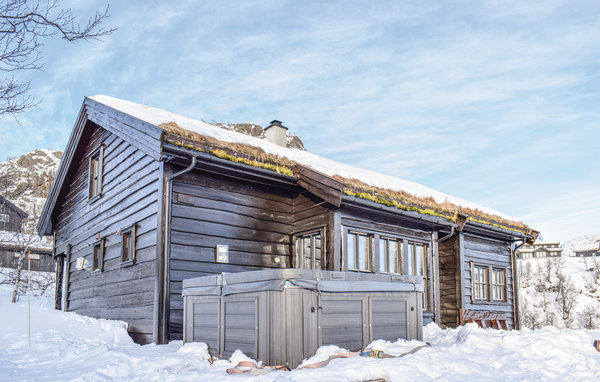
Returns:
(580, 243)
(71, 347)
(564, 291)
(26, 180)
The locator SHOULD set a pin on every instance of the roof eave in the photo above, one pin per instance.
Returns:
(435, 220)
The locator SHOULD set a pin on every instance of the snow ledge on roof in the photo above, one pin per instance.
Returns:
(326, 166)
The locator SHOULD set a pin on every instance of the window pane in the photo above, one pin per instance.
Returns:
(363, 252)
(306, 252)
(416, 261)
(317, 250)
(351, 251)
(410, 258)
(383, 257)
(126, 245)
(96, 261)
(422, 260)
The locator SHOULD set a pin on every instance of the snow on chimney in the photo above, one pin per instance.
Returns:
(276, 133)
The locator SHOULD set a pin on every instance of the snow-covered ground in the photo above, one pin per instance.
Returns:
(543, 297)
(70, 347)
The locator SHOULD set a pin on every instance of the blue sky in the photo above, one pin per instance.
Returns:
(491, 101)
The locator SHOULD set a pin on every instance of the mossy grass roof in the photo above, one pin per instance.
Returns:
(361, 183)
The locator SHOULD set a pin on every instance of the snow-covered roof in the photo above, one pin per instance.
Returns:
(326, 166)
(20, 240)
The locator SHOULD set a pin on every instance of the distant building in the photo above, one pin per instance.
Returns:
(11, 216)
(13, 242)
(587, 252)
(540, 251)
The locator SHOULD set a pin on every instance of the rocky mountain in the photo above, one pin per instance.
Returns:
(26, 181)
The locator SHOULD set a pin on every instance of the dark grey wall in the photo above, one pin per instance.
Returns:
(129, 196)
(8, 259)
(488, 252)
(254, 221)
(15, 220)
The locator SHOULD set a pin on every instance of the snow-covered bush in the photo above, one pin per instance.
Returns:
(563, 292)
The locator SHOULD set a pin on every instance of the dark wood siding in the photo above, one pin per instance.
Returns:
(493, 253)
(8, 260)
(449, 282)
(255, 221)
(15, 220)
(129, 196)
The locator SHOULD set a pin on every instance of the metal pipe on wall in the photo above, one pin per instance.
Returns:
(167, 248)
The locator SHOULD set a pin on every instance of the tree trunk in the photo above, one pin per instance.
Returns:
(18, 278)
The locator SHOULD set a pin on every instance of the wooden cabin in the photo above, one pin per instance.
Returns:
(13, 243)
(144, 199)
(11, 216)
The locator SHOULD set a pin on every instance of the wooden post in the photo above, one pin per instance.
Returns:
(60, 263)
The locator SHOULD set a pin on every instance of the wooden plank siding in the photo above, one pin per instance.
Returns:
(129, 196)
(488, 252)
(449, 279)
(254, 221)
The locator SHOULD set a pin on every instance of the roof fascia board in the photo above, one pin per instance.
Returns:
(146, 139)
(372, 206)
(217, 165)
(142, 135)
(494, 232)
(44, 227)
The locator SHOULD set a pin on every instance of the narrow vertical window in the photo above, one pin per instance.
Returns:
(359, 252)
(363, 252)
(95, 171)
(418, 264)
(98, 256)
(480, 283)
(391, 256)
(499, 284)
(351, 243)
(128, 246)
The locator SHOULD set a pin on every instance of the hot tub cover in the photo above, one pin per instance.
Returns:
(277, 279)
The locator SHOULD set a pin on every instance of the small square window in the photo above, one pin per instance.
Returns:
(4, 218)
(128, 245)
(96, 165)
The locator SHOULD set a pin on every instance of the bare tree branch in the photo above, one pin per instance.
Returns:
(24, 26)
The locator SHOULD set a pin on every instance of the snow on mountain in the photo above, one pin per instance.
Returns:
(66, 346)
(26, 181)
(580, 243)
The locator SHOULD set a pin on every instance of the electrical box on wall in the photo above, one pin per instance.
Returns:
(222, 254)
(81, 263)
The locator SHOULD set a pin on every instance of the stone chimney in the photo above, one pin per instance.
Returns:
(276, 133)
